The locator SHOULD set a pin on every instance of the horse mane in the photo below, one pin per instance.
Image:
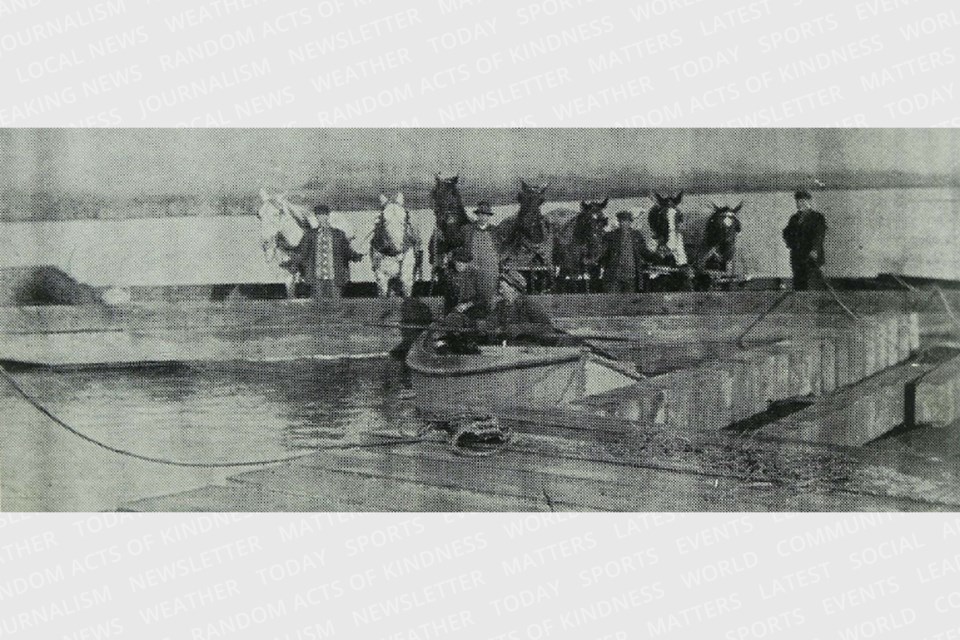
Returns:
(441, 207)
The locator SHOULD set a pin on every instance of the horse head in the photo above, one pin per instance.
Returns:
(589, 227)
(665, 215)
(720, 211)
(529, 218)
(665, 218)
(394, 219)
(280, 218)
(592, 213)
(447, 203)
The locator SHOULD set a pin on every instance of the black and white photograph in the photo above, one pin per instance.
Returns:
(521, 320)
(481, 319)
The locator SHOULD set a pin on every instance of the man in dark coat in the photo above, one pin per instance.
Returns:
(328, 273)
(804, 235)
(486, 261)
(464, 305)
(465, 293)
(517, 317)
(625, 253)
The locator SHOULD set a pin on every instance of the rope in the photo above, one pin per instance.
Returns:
(946, 305)
(760, 318)
(833, 292)
(174, 463)
(489, 436)
(902, 282)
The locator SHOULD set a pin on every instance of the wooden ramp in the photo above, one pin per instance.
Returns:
(552, 473)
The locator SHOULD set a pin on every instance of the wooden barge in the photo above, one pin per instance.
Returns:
(720, 391)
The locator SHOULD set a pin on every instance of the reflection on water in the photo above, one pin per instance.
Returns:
(228, 411)
(218, 413)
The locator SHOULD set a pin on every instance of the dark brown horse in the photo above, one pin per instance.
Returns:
(720, 237)
(579, 248)
(526, 241)
(450, 224)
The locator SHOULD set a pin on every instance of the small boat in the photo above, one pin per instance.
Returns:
(509, 376)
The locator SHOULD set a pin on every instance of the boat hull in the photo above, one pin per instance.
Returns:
(499, 378)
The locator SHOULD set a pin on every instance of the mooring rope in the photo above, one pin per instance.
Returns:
(937, 292)
(178, 463)
(946, 305)
(833, 292)
(776, 303)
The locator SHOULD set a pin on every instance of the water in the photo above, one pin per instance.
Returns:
(229, 413)
(247, 412)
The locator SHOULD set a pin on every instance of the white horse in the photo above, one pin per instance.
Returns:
(665, 219)
(283, 229)
(396, 251)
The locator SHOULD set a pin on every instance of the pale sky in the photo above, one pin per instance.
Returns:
(131, 162)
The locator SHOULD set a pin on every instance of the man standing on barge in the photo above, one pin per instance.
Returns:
(804, 235)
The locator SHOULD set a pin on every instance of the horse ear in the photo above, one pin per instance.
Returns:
(524, 185)
(738, 207)
(436, 177)
(606, 201)
(399, 198)
(679, 198)
(383, 200)
(658, 198)
(455, 179)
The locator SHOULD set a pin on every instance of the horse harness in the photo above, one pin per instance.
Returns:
(381, 241)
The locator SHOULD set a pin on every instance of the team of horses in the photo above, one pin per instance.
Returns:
(557, 251)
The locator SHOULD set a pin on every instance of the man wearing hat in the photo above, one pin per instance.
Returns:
(464, 293)
(516, 316)
(463, 306)
(804, 236)
(486, 260)
(624, 255)
(329, 271)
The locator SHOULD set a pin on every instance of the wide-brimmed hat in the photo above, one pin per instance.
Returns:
(802, 194)
(483, 208)
(321, 209)
(515, 279)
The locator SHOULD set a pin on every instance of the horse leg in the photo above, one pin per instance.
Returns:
(290, 284)
(383, 284)
(407, 274)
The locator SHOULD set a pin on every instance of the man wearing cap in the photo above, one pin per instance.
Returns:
(463, 306)
(515, 316)
(486, 260)
(464, 293)
(804, 236)
(329, 271)
(624, 254)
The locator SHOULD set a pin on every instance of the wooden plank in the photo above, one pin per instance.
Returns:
(560, 483)
(934, 397)
(305, 312)
(762, 475)
(362, 486)
(854, 415)
(230, 498)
